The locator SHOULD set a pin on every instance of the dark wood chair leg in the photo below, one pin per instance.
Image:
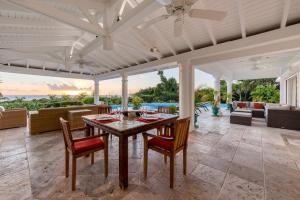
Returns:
(73, 173)
(106, 156)
(67, 162)
(145, 161)
(172, 166)
(92, 158)
(184, 160)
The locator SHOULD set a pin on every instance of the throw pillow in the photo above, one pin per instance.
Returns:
(259, 106)
(242, 105)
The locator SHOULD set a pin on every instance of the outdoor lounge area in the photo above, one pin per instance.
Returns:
(238, 139)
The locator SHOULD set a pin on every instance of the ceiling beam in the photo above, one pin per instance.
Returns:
(38, 31)
(86, 4)
(14, 44)
(41, 72)
(241, 18)
(133, 17)
(210, 32)
(163, 40)
(275, 41)
(145, 44)
(187, 40)
(285, 13)
(137, 50)
(58, 15)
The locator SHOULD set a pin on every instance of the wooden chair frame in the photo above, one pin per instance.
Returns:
(69, 149)
(179, 143)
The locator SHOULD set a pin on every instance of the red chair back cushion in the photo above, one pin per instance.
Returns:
(89, 144)
(158, 142)
(259, 106)
(242, 105)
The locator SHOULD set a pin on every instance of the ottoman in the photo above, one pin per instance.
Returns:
(242, 118)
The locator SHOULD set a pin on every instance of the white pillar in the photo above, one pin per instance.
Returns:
(217, 87)
(96, 92)
(229, 90)
(282, 91)
(186, 91)
(125, 91)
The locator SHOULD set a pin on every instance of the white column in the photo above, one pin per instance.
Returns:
(96, 92)
(229, 89)
(217, 87)
(282, 91)
(186, 91)
(125, 91)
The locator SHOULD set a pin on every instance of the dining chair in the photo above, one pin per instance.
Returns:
(164, 130)
(104, 109)
(169, 146)
(82, 147)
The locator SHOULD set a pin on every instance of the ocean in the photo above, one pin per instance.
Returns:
(27, 97)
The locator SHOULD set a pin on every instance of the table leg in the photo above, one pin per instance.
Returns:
(123, 162)
(88, 130)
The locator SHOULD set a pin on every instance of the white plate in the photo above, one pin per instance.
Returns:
(150, 118)
(104, 118)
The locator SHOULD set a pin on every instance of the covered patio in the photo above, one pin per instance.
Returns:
(225, 161)
(101, 40)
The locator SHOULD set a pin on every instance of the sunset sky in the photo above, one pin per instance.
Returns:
(20, 84)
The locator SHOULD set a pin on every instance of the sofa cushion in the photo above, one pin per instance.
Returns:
(88, 144)
(242, 104)
(161, 143)
(258, 105)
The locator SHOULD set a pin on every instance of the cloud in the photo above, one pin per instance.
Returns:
(65, 87)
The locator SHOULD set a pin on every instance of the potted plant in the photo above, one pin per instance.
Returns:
(136, 102)
(173, 109)
(216, 105)
(229, 102)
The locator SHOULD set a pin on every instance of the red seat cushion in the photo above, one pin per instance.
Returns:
(161, 143)
(89, 144)
(242, 105)
(259, 106)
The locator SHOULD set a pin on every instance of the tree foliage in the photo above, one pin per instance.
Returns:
(165, 91)
(204, 94)
(242, 90)
(266, 93)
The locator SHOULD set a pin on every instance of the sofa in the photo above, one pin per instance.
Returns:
(47, 119)
(282, 116)
(13, 118)
(257, 108)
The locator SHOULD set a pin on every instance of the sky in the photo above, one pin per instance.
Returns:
(23, 85)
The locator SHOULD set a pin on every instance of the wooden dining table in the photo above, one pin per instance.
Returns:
(122, 127)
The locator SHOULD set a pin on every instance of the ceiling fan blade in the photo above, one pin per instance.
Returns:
(207, 14)
(178, 27)
(153, 21)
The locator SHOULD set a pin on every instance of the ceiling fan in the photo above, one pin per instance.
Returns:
(178, 8)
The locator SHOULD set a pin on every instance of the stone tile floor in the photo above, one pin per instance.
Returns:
(225, 161)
